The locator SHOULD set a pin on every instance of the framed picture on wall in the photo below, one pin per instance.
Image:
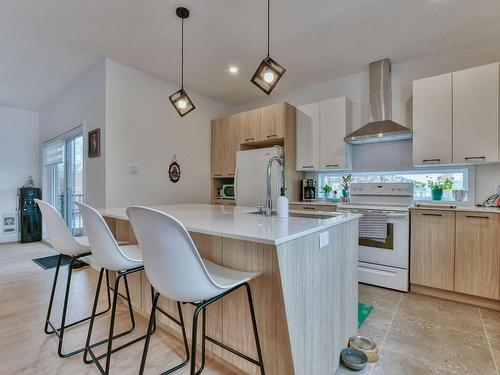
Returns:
(94, 143)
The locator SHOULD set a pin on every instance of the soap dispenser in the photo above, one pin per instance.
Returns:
(282, 203)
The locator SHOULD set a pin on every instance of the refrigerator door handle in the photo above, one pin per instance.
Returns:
(236, 185)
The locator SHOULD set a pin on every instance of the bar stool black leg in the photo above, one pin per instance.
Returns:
(51, 300)
(255, 331)
(194, 338)
(151, 330)
(59, 332)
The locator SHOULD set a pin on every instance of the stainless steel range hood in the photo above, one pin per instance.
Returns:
(382, 128)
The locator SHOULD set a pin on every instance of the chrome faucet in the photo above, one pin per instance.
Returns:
(269, 201)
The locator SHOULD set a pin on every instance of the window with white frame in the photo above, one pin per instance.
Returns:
(459, 180)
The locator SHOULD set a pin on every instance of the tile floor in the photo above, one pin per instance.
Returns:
(420, 335)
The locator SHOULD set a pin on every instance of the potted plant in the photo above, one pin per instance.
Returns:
(344, 185)
(437, 188)
(327, 190)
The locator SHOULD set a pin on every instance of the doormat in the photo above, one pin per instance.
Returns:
(50, 262)
(363, 311)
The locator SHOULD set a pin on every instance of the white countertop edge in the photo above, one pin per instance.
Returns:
(328, 223)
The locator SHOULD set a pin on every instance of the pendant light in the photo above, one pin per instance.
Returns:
(180, 99)
(269, 72)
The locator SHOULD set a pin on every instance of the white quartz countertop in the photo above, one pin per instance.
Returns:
(236, 222)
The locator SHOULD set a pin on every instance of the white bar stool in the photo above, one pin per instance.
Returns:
(176, 270)
(123, 260)
(62, 241)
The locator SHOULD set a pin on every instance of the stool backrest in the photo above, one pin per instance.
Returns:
(103, 245)
(60, 237)
(171, 261)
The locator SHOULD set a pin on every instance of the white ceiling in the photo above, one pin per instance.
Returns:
(46, 44)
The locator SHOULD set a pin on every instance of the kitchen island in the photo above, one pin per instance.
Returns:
(305, 300)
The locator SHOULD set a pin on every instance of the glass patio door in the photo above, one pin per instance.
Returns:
(63, 177)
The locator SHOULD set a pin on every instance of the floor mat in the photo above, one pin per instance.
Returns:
(363, 311)
(51, 262)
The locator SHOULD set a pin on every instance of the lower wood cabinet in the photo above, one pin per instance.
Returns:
(456, 251)
(433, 249)
(477, 254)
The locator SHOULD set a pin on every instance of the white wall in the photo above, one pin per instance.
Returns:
(19, 158)
(82, 103)
(397, 155)
(144, 130)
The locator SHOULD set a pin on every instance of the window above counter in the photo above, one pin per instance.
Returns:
(460, 178)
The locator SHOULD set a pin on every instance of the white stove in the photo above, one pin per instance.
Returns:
(384, 263)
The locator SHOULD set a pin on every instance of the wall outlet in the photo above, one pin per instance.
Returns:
(324, 239)
(133, 169)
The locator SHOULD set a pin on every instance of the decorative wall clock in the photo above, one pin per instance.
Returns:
(174, 170)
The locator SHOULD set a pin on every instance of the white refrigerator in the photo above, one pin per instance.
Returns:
(251, 176)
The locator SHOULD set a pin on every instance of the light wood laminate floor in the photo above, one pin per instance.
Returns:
(414, 332)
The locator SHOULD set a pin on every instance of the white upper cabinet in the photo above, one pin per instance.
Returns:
(335, 123)
(475, 114)
(432, 120)
(456, 117)
(308, 137)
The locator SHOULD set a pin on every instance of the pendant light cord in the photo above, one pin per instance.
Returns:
(182, 54)
(268, 25)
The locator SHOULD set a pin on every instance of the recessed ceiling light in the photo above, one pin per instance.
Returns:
(233, 69)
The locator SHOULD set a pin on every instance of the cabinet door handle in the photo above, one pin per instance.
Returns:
(332, 165)
(431, 214)
(217, 175)
(249, 139)
(308, 208)
(477, 217)
(431, 161)
(272, 136)
(475, 157)
(307, 166)
(230, 174)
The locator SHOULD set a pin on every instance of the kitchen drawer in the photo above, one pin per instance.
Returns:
(313, 207)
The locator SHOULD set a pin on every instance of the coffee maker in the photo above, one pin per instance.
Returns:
(308, 190)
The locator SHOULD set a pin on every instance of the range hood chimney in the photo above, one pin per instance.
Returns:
(381, 128)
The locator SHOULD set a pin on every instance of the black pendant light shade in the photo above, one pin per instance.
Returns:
(181, 102)
(269, 72)
(180, 99)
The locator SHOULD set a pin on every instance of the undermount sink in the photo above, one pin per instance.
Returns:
(306, 215)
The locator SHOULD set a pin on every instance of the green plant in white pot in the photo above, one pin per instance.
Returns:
(327, 190)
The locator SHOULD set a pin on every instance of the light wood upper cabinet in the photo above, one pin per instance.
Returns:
(308, 137)
(249, 124)
(433, 248)
(477, 254)
(273, 121)
(475, 114)
(218, 137)
(335, 123)
(432, 120)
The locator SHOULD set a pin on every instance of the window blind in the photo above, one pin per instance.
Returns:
(53, 153)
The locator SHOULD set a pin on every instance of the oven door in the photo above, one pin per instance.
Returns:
(394, 252)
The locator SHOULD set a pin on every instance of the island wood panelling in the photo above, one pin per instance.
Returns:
(258, 128)
(299, 313)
